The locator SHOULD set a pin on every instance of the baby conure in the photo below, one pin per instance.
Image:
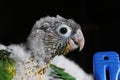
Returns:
(42, 56)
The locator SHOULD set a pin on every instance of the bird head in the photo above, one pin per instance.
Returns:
(51, 36)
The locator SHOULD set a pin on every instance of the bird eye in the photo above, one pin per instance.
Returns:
(64, 30)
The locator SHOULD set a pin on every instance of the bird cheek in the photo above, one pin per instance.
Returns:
(68, 49)
(50, 36)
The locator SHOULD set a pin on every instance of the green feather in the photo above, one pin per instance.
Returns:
(7, 66)
(61, 73)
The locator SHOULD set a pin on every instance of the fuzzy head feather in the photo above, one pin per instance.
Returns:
(51, 36)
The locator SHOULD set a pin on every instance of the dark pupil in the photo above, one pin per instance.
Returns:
(63, 30)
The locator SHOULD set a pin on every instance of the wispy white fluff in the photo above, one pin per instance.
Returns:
(71, 68)
(19, 53)
(2, 47)
(21, 57)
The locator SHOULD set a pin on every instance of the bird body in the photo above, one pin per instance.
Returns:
(41, 55)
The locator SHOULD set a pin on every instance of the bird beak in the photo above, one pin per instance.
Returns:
(77, 40)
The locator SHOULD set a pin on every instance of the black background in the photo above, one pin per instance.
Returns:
(99, 20)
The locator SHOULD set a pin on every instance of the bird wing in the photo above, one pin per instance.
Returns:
(7, 66)
(60, 73)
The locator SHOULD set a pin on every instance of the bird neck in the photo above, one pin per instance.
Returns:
(42, 70)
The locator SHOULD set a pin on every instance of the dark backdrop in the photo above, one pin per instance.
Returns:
(99, 21)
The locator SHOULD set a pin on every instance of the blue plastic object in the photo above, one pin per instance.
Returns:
(106, 65)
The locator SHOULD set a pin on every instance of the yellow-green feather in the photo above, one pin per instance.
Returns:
(7, 66)
(61, 73)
